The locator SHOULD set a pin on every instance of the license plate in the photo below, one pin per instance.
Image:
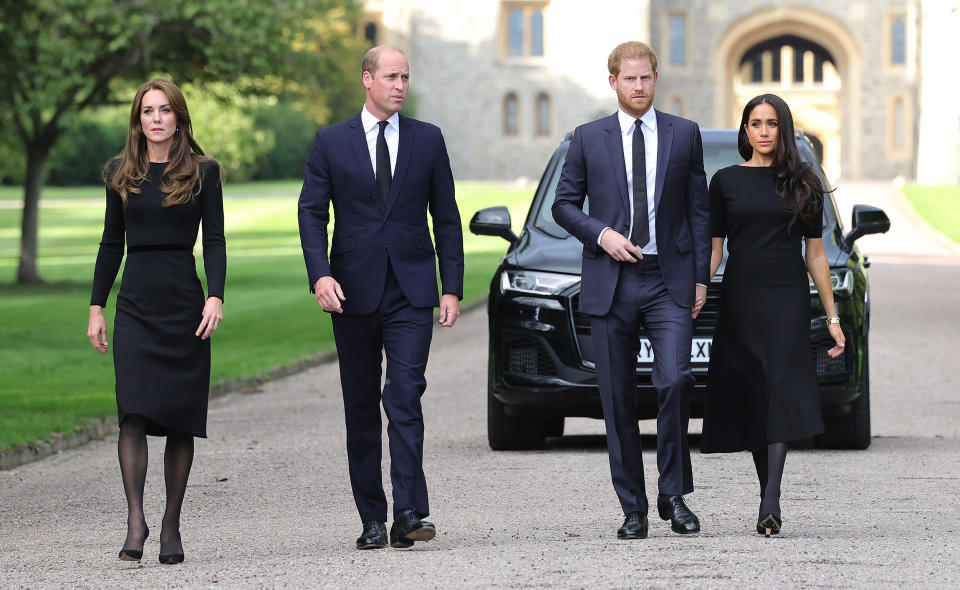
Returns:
(699, 351)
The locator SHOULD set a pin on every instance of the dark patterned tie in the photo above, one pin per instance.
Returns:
(641, 220)
(384, 176)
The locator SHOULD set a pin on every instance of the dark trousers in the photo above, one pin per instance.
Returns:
(641, 298)
(404, 333)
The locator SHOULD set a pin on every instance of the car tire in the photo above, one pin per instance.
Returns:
(512, 433)
(851, 431)
(553, 426)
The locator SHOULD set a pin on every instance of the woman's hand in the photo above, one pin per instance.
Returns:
(97, 329)
(839, 338)
(212, 316)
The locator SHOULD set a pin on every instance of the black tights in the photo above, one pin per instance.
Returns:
(769, 463)
(177, 459)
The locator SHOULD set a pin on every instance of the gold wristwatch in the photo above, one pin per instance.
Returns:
(835, 319)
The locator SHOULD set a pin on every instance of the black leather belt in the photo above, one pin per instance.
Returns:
(159, 248)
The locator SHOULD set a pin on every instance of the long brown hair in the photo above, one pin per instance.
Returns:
(181, 178)
(800, 188)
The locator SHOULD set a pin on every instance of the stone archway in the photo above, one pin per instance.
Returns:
(823, 104)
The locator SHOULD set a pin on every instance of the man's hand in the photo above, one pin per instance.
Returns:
(699, 301)
(449, 310)
(619, 248)
(329, 294)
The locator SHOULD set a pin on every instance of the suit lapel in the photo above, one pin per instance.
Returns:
(614, 140)
(404, 149)
(664, 146)
(358, 139)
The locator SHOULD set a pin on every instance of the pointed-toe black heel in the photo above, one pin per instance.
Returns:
(133, 554)
(171, 558)
(769, 525)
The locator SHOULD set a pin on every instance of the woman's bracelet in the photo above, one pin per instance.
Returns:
(834, 319)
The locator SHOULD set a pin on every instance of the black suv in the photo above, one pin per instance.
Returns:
(541, 366)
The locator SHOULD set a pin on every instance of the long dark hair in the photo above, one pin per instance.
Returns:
(181, 177)
(800, 188)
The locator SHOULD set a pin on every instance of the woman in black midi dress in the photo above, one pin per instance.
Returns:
(161, 188)
(761, 388)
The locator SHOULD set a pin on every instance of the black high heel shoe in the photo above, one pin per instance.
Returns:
(171, 558)
(133, 554)
(769, 525)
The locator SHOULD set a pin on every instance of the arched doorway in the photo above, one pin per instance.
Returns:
(811, 61)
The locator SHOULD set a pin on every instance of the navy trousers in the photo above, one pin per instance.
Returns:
(404, 333)
(641, 298)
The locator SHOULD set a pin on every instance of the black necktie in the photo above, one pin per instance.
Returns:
(641, 220)
(384, 177)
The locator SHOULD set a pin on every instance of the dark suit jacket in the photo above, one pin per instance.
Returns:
(366, 233)
(595, 167)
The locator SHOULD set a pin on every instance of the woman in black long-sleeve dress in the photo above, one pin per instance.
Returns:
(160, 189)
(761, 388)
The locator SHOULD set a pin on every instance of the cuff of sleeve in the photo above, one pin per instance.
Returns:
(600, 237)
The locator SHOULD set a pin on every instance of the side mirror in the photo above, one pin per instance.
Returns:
(493, 221)
(866, 220)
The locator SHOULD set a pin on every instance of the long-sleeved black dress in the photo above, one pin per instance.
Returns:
(762, 386)
(162, 369)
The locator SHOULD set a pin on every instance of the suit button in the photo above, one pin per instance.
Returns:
(387, 222)
(626, 227)
(383, 248)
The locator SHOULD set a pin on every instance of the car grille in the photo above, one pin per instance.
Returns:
(525, 355)
(825, 365)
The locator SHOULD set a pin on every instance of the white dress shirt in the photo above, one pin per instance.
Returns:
(391, 134)
(649, 127)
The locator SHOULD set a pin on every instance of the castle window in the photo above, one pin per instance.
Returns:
(898, 41)
(523, 28)
(543, 115)
(370, 33)
(678, 39)
(510, 123)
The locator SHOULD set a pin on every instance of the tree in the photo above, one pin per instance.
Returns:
(60, 57)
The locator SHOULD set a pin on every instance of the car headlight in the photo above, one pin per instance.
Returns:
(529, 281)
(841, 279)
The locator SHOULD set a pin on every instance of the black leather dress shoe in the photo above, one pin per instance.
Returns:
(374, 535)
(634, 527)
(682, 519)
(407, 528)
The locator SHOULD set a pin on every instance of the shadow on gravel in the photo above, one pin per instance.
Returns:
(598, 442)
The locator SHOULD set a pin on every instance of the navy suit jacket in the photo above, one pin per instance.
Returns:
(595, 167)
(368, 233)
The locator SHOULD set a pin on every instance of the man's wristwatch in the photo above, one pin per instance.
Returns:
(835, 319)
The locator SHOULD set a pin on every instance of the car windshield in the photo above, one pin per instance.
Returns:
(717, 153)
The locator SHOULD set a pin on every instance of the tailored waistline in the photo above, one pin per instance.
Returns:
(159, 248)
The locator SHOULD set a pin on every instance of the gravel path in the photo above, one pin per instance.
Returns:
(269, 504)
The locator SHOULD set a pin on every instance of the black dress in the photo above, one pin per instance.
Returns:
(162, 368)
(761, 387)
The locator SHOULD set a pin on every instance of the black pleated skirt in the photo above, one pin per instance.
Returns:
(762, 385)
(162, 368)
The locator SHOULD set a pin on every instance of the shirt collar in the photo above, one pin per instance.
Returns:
(627, 122)
(369, 122)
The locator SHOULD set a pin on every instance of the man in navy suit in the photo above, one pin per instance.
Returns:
(646, 259)
(383, 172)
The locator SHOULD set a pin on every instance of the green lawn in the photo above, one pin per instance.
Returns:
(939, 205)
(51, 379)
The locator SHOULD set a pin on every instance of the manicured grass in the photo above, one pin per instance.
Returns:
(51, 379)
(939, 205)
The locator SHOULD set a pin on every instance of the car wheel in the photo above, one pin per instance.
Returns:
(512, 433)
(851, 431)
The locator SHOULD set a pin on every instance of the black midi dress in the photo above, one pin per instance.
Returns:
(761, 387)
(162, 369)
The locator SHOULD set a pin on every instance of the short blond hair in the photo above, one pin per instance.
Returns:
(630, 50)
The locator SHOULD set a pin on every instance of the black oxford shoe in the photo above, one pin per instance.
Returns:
(374, 535)
(407, 528)
(634, 527)
(682, 519)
